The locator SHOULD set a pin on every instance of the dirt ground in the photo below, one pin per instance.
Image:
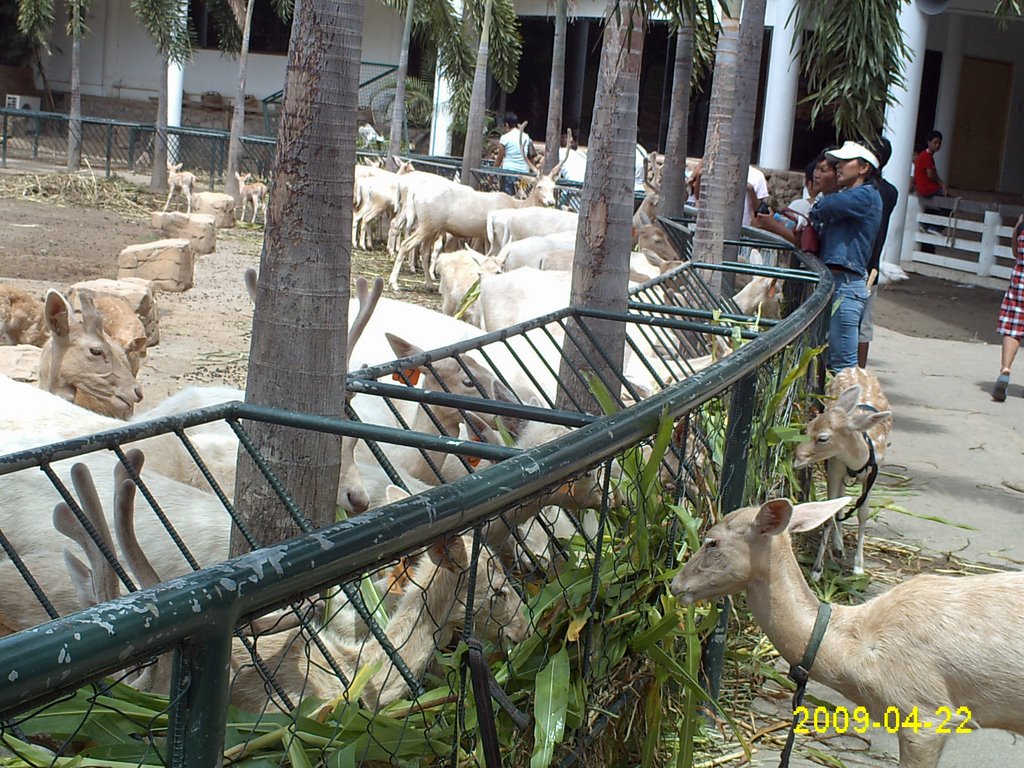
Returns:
(205, 331)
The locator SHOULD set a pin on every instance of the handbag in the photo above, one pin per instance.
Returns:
(809, 240)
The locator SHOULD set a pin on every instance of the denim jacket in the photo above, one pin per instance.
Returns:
(847, 223)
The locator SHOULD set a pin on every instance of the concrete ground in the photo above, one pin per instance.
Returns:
(965, 455)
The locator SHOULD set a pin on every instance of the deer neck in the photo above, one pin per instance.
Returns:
(785, 608)
(423, 618)
(857, 452)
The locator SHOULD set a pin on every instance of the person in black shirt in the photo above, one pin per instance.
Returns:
(889, 194)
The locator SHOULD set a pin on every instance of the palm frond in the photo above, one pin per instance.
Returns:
(169, 32)
(1006, 8)
(852, 56)
(35, 19)
(77, 11)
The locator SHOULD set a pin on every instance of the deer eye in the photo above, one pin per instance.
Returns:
(467, 383)
(96, 351)
(822, 438)
(710, 543)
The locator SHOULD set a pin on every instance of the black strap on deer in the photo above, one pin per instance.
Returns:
(871, 465)
(484, 688)
(801, 672)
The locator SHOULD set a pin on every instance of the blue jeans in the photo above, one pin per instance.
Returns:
(848, 303)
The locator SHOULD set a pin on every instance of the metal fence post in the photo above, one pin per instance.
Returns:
(110, 145)
(35, 139)
(3, 143)
(734, 476)
(200, 686)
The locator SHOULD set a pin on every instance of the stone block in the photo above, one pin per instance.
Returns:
(200, 229)
(21, 362)
(168, 264)
(216, 204)
(138, 293)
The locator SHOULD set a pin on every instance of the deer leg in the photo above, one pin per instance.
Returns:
(863, 513)
(819, 561)
(921, 749)
(409, 245)
(187, 192)
(169, 195)
(836, 473)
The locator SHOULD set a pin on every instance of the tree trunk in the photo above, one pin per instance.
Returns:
(673, 175)
(158, 178)
(553, 137)
(297, 353)
(238, 116)
(730, 138)
(474, 148)
(398, 110)
(600, 276)
(75, 116)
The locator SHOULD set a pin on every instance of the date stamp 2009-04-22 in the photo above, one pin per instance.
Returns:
(841, 720)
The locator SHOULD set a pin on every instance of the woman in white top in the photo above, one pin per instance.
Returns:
(513, 150)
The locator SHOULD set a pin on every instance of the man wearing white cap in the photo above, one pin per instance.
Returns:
(847, 223)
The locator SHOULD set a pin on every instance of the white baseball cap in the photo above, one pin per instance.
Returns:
(851, 150)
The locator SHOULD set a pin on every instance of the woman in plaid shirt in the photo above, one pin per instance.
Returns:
(1011, 313)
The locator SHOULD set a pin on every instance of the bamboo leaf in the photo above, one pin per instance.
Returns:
(552, 699)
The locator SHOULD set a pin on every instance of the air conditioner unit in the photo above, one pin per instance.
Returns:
(15, 101)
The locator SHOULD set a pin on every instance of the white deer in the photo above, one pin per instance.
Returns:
(179, 181)
(933, 646)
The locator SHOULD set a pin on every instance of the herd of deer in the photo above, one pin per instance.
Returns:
(930, 642)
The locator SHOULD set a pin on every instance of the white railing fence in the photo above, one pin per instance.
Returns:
(967, 241)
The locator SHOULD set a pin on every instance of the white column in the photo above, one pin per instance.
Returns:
(949, 89)
(989, 241)
(441, 120)
(781, 91)
(175, 90)
(901, 124)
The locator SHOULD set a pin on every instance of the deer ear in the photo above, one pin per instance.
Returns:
(807, 517)
(57, 312)
(401, 347)
(451, 553)
(393, 493)
(773, 517)
(862, 420)
(847, 401)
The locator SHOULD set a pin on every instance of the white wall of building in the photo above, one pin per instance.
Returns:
(119, 61)
(984, 40)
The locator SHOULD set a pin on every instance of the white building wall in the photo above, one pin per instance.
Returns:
(119, 60)
(983, 40)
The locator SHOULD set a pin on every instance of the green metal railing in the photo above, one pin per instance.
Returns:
(196, 616)
(116, 145)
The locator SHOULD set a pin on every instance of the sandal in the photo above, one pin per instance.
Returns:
(999, 391)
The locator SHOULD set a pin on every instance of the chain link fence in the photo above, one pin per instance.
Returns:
(116, 146)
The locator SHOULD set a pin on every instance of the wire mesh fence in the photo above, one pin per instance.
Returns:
(504, 598)
(116, 146)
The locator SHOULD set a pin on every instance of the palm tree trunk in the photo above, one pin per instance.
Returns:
(552, 139)
(297, 354)
(158, 178)
(474, 148)
(398, 110)
(75, 116)
(600, 276)
(673, 176)
(730, 138)
(238, 116)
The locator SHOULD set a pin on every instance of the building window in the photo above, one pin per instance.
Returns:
(268, 35)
